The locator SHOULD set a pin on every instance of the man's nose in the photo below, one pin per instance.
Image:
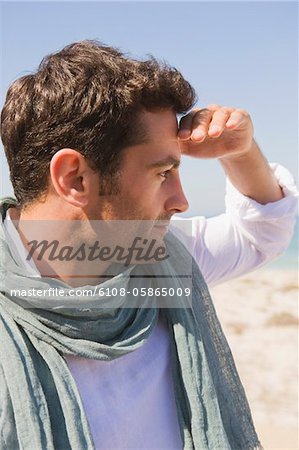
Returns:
(177, 201)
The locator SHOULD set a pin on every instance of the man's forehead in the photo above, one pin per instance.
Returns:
(154, 154)
(159, 145)
(159, 124)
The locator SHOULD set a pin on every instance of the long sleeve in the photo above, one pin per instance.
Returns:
(247, 235)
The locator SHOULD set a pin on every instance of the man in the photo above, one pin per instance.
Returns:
(92, 136)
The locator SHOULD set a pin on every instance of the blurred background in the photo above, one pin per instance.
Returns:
(241, 54)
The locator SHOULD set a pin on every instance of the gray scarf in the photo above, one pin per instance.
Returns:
(41, 405)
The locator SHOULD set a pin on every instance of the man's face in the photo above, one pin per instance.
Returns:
(149, 182)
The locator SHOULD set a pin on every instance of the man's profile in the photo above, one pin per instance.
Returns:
(91, 137)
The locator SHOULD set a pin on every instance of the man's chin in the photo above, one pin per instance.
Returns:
(163, 228)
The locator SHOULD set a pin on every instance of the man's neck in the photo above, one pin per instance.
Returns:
(38, 233)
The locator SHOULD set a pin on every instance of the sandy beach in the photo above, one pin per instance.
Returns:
(259, 314)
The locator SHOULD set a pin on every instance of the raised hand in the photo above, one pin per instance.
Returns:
(216, 132)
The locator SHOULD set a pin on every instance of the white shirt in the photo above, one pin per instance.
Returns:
(129, 402)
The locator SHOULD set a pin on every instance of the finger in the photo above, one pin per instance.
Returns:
(219, 120)
(185, 125)
(237, 118)
(200, 124)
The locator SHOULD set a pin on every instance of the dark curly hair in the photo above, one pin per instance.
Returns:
(87, 97)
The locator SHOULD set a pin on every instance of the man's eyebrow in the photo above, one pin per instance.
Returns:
(169, 161)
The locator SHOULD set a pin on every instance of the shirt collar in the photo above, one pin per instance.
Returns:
(17, 248)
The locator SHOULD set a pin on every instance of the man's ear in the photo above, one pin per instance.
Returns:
(71, 177)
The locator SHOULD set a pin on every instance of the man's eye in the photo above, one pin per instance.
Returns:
(164, 174)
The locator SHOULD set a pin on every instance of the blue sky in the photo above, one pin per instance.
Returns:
(241, 54)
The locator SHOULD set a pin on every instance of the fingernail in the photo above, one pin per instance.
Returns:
(198, 134)
(231, 123)
(214, 129)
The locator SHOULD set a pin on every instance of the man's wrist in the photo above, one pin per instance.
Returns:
(251, 174)
(242, 153)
